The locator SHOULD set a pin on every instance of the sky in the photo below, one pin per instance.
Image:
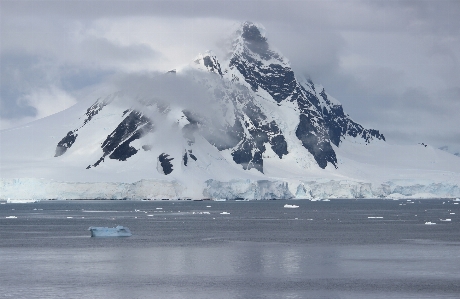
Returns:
(394, 65)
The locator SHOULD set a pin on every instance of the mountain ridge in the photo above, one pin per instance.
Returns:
(246, 119)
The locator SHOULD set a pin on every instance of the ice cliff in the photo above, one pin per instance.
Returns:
(41, 189)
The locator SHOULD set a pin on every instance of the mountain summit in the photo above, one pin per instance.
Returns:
(252, 80)
(200, 129)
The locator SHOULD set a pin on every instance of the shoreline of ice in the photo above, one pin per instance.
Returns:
(30, 190)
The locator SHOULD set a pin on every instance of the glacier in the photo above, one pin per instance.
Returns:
(42, 189)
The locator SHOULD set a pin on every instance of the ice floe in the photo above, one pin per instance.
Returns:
(291, 206)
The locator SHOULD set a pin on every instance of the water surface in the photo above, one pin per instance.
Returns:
(183, 249)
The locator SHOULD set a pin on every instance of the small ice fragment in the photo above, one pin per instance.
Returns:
(208, 206)
(150, 215)
(291, 206)
(69, 217)
(375, 217)
(455, 203)
(11, 217)
(430, 223)
(159, 208)
(446, 220)
(225, 213)
(452, 213)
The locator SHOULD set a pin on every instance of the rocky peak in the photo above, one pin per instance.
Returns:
(209, 62)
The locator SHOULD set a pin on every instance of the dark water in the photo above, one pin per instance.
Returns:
(260, 250)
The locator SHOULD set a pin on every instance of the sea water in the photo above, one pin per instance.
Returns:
(235, 249)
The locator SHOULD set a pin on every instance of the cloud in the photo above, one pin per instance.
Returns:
(48, 101)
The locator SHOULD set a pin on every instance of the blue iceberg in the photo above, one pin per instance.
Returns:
(118, 231)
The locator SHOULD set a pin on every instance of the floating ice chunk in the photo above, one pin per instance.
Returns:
(375, 217)
(201, 213)
(69, 217)
(118, 231)
(225, 213)
(159, 208)
(11, 217)
(452, 213)
(150, 215)
(457, 199)
(9, 200)
(291, 206)
(430, 223)
(208, 206)
(446, 220)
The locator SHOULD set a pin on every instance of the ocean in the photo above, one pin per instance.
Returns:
(342, 248)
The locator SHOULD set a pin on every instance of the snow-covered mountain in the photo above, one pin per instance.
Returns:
(241, 126)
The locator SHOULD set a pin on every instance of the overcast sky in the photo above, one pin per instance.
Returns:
(394, 65)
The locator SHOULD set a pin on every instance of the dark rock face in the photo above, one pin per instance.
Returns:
(117, 144)
(320, 149)
(65, 143)
(166, 163)
(340, 125)
(71, 136)
(96, 108)
(249, 151)
(277, 80)
(247, 136)
(319, 124)
(211, 63)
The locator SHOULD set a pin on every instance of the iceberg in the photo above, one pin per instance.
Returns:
(118, 231)
(9, 200)
(291, 206)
